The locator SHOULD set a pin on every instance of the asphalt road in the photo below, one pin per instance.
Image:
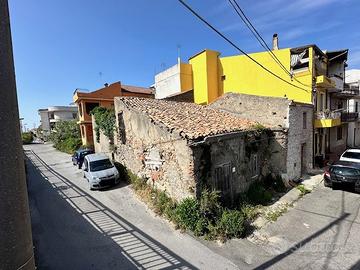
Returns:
(74, 228)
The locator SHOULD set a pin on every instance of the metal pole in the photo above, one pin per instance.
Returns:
(16, 248)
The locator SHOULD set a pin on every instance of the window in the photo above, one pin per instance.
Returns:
(122, 132)
(254, 166)
(51, 116)
(339, 133)
(350, 154)
(89, 106)
(304, 120)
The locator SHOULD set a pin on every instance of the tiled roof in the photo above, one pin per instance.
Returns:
(190, 120)
(137, 89)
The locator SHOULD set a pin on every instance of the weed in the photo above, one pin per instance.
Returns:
(303, 190)
(273, 215)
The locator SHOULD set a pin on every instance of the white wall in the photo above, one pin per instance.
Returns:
(168, 82)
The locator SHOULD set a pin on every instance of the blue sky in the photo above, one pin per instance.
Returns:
(63, 45)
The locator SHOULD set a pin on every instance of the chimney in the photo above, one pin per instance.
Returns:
(106, 84)
(275, 42)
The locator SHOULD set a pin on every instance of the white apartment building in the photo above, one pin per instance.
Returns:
(352, 80)
(51, 115)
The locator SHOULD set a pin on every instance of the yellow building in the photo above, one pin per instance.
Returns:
(312, 77)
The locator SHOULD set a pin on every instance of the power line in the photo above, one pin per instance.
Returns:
(235, 46)
(255, 33)
(259, 38)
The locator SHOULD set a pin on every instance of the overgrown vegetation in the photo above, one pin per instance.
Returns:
(105, 122)
(66, 136)
(27, 137)
(204, 217)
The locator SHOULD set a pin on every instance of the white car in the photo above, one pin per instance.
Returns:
(351, 155)
(99, 171)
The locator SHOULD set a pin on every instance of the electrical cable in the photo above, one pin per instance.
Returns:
(236, 47)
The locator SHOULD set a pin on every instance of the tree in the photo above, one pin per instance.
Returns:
(66, 136)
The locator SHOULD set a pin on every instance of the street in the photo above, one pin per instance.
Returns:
(74, 228)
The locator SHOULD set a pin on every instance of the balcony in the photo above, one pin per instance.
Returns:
(327, 119)
(349, 116)
(339, 84)
(324, 82)
(348, 92)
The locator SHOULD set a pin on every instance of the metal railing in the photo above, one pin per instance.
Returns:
(349, 116)
(328, 115)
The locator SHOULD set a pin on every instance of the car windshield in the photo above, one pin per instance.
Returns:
(349, 154)
(345, 171)
(100, 165)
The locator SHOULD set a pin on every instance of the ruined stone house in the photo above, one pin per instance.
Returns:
(294, 118)
(184, 147)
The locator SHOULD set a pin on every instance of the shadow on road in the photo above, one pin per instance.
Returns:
(122, 244)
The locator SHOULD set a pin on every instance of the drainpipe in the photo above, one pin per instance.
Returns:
(16, 247)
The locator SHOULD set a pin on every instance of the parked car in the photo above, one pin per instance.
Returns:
(78, 157)
(352, 155)
(342, 172)
(100, 172)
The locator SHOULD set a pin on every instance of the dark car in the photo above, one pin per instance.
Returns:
(343, 173)
(78, 156)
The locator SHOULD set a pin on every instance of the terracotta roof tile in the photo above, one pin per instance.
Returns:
(190, 120)
(137, 89)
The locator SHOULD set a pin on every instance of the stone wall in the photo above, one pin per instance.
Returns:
(153, 152)
(265, 110)
(295, 141)
(238, 160)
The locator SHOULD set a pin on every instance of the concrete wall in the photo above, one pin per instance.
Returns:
(173, 80)
(45, 121)
(338, 146)
(300, 141)
(152, 152)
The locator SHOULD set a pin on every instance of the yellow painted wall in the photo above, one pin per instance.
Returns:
(244, 76)
(205, 76)
(213, 76)
(186, 79)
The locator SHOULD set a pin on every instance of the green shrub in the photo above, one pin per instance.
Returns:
(162, 200)
(105, 121)
(201, 226)
(187, 214)
(249, 211)
(258, 194)
(27, 137)
(231, 224)
(69, 145)
(210, 206)
(66, 136)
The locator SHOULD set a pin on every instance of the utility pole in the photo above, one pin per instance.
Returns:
(16, 248)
